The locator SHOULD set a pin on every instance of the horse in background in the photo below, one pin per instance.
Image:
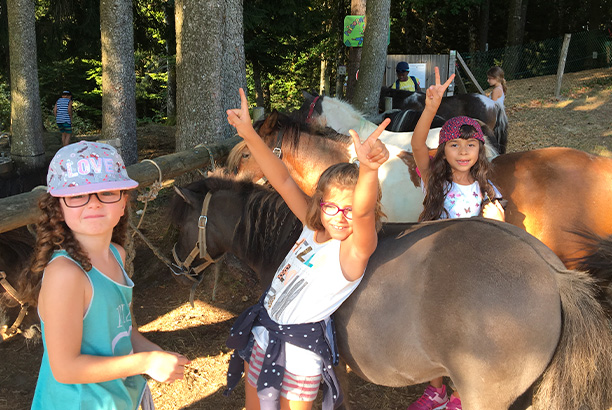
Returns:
(476, 106)
(406, 120)
(341, 116)
(497, 305)
(308, 151)
(15, 251)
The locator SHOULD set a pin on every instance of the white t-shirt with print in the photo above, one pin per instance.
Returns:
(308, 287)
(463, 201)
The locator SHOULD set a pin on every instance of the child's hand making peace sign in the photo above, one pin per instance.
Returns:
(372, 152)
(435, 92)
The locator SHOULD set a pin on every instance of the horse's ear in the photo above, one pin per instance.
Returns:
(307, 96)
(269, 123)
(190, 197)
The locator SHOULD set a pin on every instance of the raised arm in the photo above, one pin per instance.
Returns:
(356, 250)
(273, 168)
(433, 99)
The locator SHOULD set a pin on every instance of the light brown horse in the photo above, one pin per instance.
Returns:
(551, 192)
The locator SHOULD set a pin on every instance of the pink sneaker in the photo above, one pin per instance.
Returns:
(454, 403)
(431, 400)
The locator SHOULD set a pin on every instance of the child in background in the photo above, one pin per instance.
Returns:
(456, 184)
(495, 78)
(62, 110)
(94, 355)
(318, 274)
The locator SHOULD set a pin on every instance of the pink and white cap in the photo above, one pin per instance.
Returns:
(86, 167)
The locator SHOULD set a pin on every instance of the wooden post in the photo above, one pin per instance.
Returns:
(561, 66)
(469, 73)
(388, 104)
(22, 209)
(451, 70)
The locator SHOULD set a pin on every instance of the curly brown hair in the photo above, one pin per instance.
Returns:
(53, 234)
(343, 175)
(441, 177)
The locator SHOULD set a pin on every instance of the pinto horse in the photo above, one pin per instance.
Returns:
(472, 105)
(436, 300)
(308, 151)
(15, 317)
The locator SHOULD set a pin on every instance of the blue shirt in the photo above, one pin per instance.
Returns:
(107, 331)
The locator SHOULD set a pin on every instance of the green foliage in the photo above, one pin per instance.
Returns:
(81, 124)
(5, 106)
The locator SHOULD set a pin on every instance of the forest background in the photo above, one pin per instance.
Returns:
(289, 46)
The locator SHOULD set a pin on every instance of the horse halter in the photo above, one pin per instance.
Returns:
(279, 142)
(199, 250)
(5, 331)
(312, 107)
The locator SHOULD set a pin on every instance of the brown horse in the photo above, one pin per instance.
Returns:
(436, 300)
(551, 192)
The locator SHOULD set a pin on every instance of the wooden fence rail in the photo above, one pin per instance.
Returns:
(22, 209)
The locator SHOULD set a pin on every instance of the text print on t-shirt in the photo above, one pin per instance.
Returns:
(303, 252)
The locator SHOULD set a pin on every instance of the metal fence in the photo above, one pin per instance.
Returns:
(587, 50)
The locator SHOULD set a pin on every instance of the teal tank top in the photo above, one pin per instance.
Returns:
(107, 330)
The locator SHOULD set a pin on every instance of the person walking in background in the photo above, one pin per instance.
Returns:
(63, 116)
(404, 81)
(495, 78)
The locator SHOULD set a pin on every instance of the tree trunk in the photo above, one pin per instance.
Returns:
(27, 148)
(118, 76)
(233, 61)
(358, 8)
(483, 25)
(171, 61)
(374, 57)
(516, 30)
(259, 94)
(210, 69)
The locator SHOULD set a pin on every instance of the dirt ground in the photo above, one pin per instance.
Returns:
(582, 119)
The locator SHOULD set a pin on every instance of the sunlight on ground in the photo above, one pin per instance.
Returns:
(593, 103)
(185, 317)
(563, 104)
(202, 375)
(603, 151)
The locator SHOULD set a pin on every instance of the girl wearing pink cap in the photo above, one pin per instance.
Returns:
(456, 185)
(94, 355)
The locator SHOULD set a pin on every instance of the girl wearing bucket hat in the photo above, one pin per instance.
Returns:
(94, 355)
(456, 185)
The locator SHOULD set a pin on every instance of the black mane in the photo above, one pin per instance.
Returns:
(266, 228)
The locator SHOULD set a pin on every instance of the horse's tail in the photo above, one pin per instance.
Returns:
(580, 372)
(500, 130)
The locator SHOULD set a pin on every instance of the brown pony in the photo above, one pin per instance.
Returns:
(552, 193)
(500, 321)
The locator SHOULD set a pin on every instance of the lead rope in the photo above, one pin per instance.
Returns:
(149, 195)
(213, 166)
